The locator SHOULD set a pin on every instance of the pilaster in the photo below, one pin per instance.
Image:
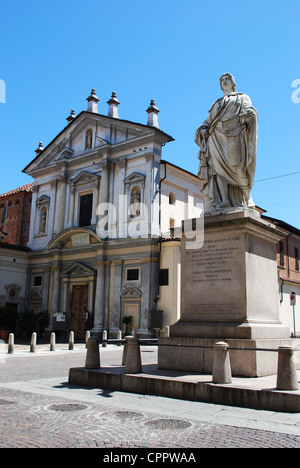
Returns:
(61, 204)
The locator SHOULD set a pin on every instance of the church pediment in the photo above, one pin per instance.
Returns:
(43, 200)
(67, 153)
(78, 270)
(84, 177)
(134, 178)
(100, 141)
(131, 293)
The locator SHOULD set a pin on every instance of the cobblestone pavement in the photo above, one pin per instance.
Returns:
(48, 413)
(33, 421)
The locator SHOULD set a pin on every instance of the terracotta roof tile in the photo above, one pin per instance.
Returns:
(24, 188)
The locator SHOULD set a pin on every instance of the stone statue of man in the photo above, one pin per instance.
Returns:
(228, 141)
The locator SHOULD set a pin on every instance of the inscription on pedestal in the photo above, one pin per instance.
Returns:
(212, 279)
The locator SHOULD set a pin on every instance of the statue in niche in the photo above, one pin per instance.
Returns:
(135, 209)
(228, 142)
(43, 221)
(88, 139)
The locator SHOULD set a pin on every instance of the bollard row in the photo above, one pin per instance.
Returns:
(33, 341)
(131, 357)
(286, 371)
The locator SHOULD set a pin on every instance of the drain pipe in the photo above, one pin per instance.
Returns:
(160, 183)
(160, 237)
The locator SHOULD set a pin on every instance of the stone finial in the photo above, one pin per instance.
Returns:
(152, 114)
(39, 149)
(71, 116)
(113, 104)
(92, 102)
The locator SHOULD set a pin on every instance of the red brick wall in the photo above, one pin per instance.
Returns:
(288, 270)
(17, 217)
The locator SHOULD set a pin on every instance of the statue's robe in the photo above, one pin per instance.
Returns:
(228, 155)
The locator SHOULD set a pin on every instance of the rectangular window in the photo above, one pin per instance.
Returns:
(297, 259)
(37, 281)
(132, 274)
(172, 227)
(281, 253)
(85, 213)
(164, 277)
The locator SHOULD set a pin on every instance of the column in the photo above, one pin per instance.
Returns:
(51, 215)
(147, 288)
(121, 202)
(116, 312)
(61, 204)
(99, 308)
(104, 182)
(103, 200)
(33, 214)
(95, 200)
(71, 206)
(46, 284)
(54, 299)
(148, 188)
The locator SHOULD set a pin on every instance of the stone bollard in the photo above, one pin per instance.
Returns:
(11, 343)
(286, 371)
(104, 339)
(128, 337)
(87, 335)
(221, 364)
(52, 342)
(71, 341)
(119, 337)
(92, 360)
(33, 343)
(133, 358)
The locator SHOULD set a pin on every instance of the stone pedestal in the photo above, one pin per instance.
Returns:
(229, 292)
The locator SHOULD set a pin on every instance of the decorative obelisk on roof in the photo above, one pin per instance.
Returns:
(113, 104)
(92, 102)
(152, 114)
(39, 149)
(71, 117)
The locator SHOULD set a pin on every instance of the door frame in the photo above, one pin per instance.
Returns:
(71, 308)
(78, 274)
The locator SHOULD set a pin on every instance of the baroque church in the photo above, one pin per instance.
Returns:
(106, 212)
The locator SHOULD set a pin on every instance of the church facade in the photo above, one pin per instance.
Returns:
(104, 209)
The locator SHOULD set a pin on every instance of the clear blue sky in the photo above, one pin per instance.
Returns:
(54, 52)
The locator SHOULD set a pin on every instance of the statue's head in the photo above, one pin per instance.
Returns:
(231, 79)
